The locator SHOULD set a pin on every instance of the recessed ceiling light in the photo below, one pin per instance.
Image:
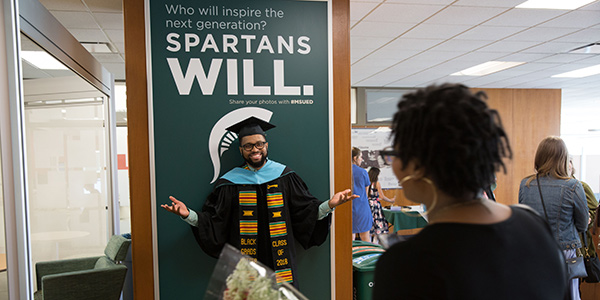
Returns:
(97, 47)
(42, 60)
(554, 4)
(584, 72)
(487, 68)
(592, 48)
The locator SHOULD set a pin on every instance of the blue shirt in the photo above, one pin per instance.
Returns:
(362, 219)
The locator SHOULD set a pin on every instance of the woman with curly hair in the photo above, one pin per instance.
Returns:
(447, 146)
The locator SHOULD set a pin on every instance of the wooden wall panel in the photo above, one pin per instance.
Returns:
(139, 157)
(537, 115)
(528, 116)
(342, 248)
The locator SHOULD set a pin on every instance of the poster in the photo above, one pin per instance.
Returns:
(370, 141)
(214, 63)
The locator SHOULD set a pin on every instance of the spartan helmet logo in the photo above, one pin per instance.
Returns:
(220, 138)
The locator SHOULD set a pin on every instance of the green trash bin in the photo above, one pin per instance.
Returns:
(364, 258)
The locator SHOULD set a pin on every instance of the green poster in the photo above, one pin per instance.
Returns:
(214, 63)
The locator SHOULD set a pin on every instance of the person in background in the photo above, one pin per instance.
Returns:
(592, 204)
(447, 146)
(375, 193)
(362, 220)
(564, 204)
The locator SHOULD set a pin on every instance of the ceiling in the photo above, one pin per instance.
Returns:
(413, 43)
(95, 21)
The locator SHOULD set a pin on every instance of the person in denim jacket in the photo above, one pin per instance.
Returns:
(564, 198)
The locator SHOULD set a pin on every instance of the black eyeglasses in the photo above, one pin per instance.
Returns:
(258, 145)
(388, 155)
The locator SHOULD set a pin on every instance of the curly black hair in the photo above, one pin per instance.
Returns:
(453, 135)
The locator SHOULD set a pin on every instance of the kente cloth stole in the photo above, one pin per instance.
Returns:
(277, 229)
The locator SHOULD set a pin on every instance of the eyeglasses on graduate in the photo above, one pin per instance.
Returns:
(250, 146)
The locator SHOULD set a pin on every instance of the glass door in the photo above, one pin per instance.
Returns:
(68, 165)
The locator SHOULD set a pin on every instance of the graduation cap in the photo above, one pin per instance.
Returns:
(250, 126)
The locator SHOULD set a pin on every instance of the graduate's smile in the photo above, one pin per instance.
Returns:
(256, 156)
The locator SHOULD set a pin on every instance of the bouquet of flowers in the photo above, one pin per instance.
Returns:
(239, 277)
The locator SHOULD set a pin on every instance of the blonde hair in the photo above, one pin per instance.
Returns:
(551, 159)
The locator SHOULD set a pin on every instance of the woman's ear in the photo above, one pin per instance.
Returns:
(415, 170)
(419, 172)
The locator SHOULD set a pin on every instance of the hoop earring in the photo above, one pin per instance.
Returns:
(433, 188)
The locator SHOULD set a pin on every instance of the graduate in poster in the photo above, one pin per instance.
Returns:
(261, 207)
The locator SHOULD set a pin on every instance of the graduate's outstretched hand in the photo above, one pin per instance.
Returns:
(177, 207)
(341, 198)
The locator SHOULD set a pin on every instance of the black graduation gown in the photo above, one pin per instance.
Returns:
(218, 222)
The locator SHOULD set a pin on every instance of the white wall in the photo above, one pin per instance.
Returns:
(585, 150)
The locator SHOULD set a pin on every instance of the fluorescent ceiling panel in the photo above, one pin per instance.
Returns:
(42, 60)
(584, 72)
(96, 47)
(591, 48)
(554, 4)
(487, 68)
